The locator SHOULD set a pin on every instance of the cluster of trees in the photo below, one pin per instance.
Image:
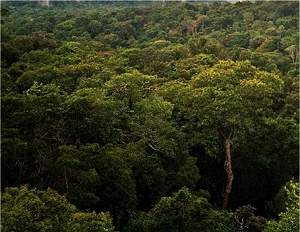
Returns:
(34, 210)
(150, 116)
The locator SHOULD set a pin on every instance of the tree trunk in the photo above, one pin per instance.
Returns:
(66, 181)
(228, 169)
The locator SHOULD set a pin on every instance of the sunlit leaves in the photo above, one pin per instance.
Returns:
(33, 210)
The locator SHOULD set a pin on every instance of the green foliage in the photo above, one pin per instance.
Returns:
(130, 87)
(286, 202)
(33, 210)
(287, 196)
(228, 97)
(182, 212)
(186, 68)
(205, 45)
(188, 173)
(86, 222)
(117, 105)
(288, 222)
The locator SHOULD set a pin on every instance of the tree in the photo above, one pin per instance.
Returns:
(94, 28)
(182, 212)
(129, 87)
(230, 97)
(117, 105)
(287, 196)
(207, 45)
(75, 174)
(293, 52)
(192, 26)
(186, 68)
(223, 102)
(25, 209)
(288, 200)
(116, 187)
(160, 152)
(237, 39)
(245, 219)
(41, 127)
(90, 222)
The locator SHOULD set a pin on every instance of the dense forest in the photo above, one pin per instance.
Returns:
(150, 116)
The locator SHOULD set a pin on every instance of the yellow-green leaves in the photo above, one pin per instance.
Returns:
(129, 86)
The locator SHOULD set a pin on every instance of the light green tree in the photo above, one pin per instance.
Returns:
(223, 102)
(288, 200)
(32, 210)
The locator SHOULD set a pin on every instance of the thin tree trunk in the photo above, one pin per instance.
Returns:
(66, 181)
(228, 169)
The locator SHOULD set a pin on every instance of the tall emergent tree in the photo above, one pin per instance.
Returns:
(223, 102)
(230, 97)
